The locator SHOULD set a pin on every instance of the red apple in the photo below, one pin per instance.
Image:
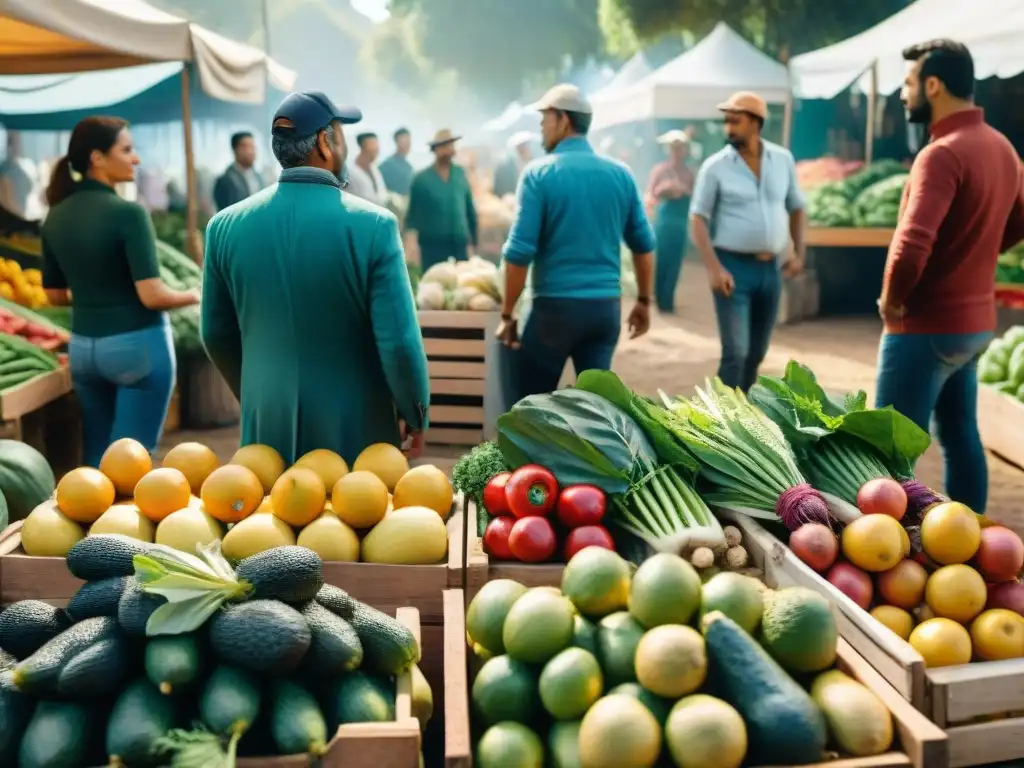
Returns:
(852, 582)
(1008, 595)
(882, 496)
(1000, 555)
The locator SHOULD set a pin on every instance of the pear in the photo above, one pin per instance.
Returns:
(48, 532)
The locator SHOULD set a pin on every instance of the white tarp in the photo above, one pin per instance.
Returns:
(633, 71)
(51, 36)
(993, 30)
(691, 86)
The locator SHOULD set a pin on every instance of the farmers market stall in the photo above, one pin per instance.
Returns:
(1001, 396)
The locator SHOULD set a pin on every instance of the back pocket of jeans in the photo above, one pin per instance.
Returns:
(123, 362)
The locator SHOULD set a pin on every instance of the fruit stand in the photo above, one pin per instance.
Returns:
(1001, 395)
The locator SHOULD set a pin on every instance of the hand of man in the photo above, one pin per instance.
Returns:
(508, 333)
(639, 320)
(721, 281)
(412, 440)
(793, 267)
(889, 312)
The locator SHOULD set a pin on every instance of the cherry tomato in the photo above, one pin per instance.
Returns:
(587, 536)
(494, 495)
(532, 539)
(496, 538)
(581, 505)
(532, 490)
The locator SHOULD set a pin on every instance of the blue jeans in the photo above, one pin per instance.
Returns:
(124, 383)
(747, 317)
(584, 330)
(925, 375)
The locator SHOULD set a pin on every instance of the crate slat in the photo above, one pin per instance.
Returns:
(457, 414)
(451, 436)
(473, 348)
(1001, 423)
(455, 319)
(448, 369)
(462, 387)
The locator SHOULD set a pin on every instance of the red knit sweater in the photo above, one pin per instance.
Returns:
(963, 206)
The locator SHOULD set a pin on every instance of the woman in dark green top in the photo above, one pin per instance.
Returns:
(100, 251)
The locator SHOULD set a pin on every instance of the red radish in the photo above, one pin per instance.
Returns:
(581, 505)
(882, 496)
(494, 494)
(587, 536)
(532, 539)
(1000, 555)
(1009, 595)
(816, 545)
(852, 582)
(496, 538)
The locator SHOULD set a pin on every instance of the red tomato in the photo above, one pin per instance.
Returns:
(587, 536)
(494, 495)
(532, 539)
(496, 538)
(532, 490)
(581, 505)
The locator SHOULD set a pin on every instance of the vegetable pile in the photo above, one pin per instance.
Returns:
(471, 284)
(181, 274)
(861, 199)
(176, 659)
(22, 359)
(22, 286)
(1002, 364)
(1010, 267)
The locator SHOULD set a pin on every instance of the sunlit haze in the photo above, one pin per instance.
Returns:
(375, 9)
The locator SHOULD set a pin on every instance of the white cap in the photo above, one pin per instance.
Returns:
(565, 98)
(674, 137)
(522, 137)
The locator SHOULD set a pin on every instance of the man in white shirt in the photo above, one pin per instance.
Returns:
(16, 181)
(364, 177)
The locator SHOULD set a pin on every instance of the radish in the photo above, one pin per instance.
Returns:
(816, 545)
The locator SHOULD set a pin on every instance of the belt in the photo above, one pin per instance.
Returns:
(742, 255)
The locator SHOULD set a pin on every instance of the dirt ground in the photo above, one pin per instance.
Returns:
(682, 350)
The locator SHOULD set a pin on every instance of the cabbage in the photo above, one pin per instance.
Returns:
(444, 273)
(483, 303)
(430, 295)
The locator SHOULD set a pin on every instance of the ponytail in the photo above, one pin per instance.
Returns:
(62, 183)
(92, 134)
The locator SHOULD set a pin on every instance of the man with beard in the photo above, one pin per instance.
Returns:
(746, 210)
(397, 171)
(441, 219)
(241, 178)
(307, 310)
(963, 206)
(364, 177)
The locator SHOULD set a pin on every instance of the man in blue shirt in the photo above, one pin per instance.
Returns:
(746, 210)
(574, 210)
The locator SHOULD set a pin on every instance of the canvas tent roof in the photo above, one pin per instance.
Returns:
(991, 29)
(51, 36)
(633, 71)
(691, 86)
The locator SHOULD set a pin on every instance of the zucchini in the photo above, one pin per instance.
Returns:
(296, 722)
(389, 648)
(58, 735)
(230, 701)
(140, 717)
(173, 662)
(335, 647)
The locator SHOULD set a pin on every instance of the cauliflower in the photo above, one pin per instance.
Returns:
(481, 302)
(460, 298)
(445, 273)
(430, 295)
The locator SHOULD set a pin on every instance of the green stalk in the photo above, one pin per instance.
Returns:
(641, 500)
(690, 520)
(665, 505)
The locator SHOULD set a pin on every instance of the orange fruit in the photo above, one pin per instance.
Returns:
(956, 592)
(231, 493)
(896, 619)
(125, 462)
(424, 486)
(905, 538)
(329, 465)
(263, 460)
(298, 496)
(873, 542)
(161, 492)
(941, 642)
(194, 460)
(385, 461)
(84, 494)
(950, 533)
(998, 634)
(360, 499)
(903, 586)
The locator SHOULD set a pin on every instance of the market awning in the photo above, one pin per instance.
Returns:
(51, 36)
(633, 71)
(991, 29)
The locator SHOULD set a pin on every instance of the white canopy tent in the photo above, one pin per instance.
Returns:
(633, 71)
(991, 29)
(691, 86)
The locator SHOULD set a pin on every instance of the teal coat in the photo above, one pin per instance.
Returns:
(308, 314)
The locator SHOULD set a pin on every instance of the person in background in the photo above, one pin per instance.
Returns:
(962, 206)
(100, 252)
(668, 196)
(307, 308)
(506, 175)
(747, 223)
(396, 170)
(364, 177)
(241, 179)
(441, 220)
(152, 189)
(15, 181)
(575, 208)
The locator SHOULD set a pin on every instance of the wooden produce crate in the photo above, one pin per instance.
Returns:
(848, 237)
(980, 705)
(1001, 423)
(465, 388)
(172, 423)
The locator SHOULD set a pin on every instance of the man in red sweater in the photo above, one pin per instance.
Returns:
(962, 207)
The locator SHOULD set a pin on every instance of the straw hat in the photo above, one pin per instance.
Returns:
(745, 101)
(442, 137)
(674, 137)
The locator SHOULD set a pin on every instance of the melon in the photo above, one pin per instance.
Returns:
(48, 532)
(255, 534)
(360, 499)
(385, 461)
(26, 479)
(799, 630)
(194, 460)
(409, 536)
(126, 519)
(125, 462)
(263, 460)
(298, 496)
(188, 529)
(619, 732)
(330, 538)
(424, 486)
(329, 465)
(84, 494)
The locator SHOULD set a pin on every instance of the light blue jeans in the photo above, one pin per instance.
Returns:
(124, 384)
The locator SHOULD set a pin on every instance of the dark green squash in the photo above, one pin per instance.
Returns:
(26, 479)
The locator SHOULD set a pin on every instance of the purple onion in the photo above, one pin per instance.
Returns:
(920, 498)
(802, 504)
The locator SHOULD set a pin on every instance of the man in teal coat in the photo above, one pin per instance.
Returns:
(307, 310)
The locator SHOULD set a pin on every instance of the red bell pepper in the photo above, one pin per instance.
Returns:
(581, 505)
(496, 538)
(531, 491)
(494, 495)
(532, 539)
(587, 536)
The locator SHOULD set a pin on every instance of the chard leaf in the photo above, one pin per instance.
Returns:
(184, 616)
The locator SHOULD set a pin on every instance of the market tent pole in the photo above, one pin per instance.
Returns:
(787, 114)
(192, 202)
(869, 132)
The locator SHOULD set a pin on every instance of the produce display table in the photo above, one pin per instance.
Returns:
(847, 263)
(1001, 422)
(43, 413)
(980, 705)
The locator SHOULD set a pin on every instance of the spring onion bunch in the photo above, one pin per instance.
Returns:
(839, 465)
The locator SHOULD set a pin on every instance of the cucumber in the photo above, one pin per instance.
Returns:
(389, 648)
(141, 715)
(784, 727)
(57, 736)
(173, 662)
(27, 625)
(15, 713)
(360, 698)
(297, 724)
(264, 636)
(230, 701)
(135, 607)
(290, 573)
(40, 672)
(100, 670)
(97, 598)
(335, 647)
(104, 555)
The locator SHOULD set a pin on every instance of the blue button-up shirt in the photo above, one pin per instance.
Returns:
(575, 208)
(745, 214)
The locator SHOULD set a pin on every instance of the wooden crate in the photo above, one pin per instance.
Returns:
(465, 389)
(920, 743)
(1001, 423)
(172, 423)
(848, 237)
(957, 699)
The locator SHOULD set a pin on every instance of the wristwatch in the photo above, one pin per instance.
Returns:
(645, 300)
(506, 318)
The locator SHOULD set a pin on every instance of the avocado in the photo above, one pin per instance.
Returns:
(265, 636)
(230, 700)
(360, 698)
(15, 713)
(784, 727)
(99, 670)
(174, 662)
(57, 736)
(292, 574)
(297, 724)
(135, 607)
(389, 648)
(104, 555)
(27, 625)
(97, 598)
(40, 672)
(140, 717)
(335, 647)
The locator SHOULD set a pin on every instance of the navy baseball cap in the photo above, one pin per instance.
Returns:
(311, 111)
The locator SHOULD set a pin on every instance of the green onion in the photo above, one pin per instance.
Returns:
(839, 465)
